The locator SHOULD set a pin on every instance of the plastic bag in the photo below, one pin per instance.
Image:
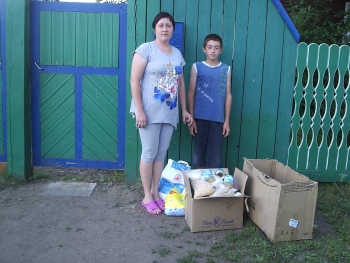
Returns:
(174, 203)
(172, 177)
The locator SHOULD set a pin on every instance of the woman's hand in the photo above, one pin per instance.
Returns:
(141, 120)
(187, 118)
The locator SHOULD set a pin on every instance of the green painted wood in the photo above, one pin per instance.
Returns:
(307, 98)
(327, 176)
(343, 88)
(216, 25)
(153, 8)
(298, 91)
(81, 43)
(106, 38)
(286, 96)
(190, 50)
(115, 41)
(18, 89)
(322, 64)
(57, 34)
(45, 38)
(57, 104)
(238, 76)
(229, 18)
(100, 120)
(253, 78)
(94, 40)
(132, 143)
(203, 26)
(69, 39)
(324, 156)
(271, 83)
(167, 6)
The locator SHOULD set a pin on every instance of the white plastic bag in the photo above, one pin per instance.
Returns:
(172, 177)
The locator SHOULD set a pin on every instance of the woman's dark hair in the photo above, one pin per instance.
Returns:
(163, 15)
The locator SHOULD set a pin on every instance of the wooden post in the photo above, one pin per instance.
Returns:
(18, 88)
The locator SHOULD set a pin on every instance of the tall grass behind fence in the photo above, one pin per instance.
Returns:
(320, 127)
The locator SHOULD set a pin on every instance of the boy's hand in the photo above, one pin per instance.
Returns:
(226, 129)
(193, 128)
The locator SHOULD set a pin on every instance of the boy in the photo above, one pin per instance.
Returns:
(209, 100)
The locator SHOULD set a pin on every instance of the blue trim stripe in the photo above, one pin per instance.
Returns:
(79, 70)
(287, 20)
(81, 7)
(82, 163)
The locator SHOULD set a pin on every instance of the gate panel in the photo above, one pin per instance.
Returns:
(79, 56)
(100, 120)
(320, 131)
(57, 115)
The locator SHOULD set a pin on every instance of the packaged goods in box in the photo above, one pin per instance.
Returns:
(215, 212)
(282, 202)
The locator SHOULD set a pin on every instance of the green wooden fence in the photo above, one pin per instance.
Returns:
(259, 46)
(320, 128)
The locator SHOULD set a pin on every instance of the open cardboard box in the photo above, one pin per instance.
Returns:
(215, 213)
(282, 202)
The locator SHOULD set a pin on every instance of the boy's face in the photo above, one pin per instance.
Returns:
(212, 49)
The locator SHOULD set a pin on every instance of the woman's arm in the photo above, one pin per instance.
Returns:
(138, 66)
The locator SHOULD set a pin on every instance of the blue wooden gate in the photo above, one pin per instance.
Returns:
(78, 62)
(3, 144)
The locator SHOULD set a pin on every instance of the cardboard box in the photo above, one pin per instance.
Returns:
(215, 213)
(282, 202)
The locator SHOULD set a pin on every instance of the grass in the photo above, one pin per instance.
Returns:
(330, 243)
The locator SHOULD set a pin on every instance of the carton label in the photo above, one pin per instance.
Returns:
(217, 222)
(293, 223)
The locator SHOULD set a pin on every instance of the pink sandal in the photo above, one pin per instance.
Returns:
(151, 207)
(160, 204)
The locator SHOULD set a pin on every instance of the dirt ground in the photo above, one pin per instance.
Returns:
(108, 226)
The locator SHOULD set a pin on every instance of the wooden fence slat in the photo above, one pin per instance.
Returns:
(216, 26)
(253, 78)
(69, 39)
(81, 43)
(228, 39)
(238, 76)
(270, 83)
(94, 40)
(132, 143)
(45, 37)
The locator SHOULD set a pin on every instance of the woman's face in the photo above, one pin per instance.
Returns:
(164, 30)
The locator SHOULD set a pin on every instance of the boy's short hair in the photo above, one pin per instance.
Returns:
(214, 37)
(163, 15)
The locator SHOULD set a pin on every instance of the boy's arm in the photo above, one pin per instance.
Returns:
(191, 91)
(228, 105)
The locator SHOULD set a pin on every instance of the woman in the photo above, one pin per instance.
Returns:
(157, 84)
